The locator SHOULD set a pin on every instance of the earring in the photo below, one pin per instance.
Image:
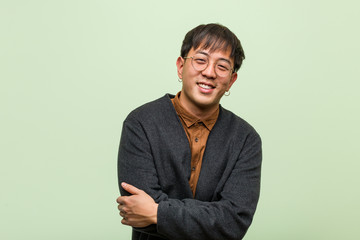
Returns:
(227, 93)
(179, 80)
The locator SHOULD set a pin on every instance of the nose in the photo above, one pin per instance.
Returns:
(209, 71)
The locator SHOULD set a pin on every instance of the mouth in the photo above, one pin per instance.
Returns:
(205, 85)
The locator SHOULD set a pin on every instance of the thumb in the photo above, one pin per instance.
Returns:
(130, 188)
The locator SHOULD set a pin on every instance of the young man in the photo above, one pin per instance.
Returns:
(187, 167)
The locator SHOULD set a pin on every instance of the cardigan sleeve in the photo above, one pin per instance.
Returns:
(226, 218)
(136, 166)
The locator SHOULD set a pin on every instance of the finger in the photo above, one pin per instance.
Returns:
(130, 188)
(120, 207)
(124, 221)
(121, 199)
(123, 214)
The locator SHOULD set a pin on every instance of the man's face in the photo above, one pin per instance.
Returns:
(202, 90)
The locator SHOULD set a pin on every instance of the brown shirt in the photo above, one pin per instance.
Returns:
(197, 131)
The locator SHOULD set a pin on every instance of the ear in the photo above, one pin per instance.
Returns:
(179, 65)
(232, 80)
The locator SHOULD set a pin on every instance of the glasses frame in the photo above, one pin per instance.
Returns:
(231, 70)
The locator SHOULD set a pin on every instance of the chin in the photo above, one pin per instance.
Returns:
(206, 103)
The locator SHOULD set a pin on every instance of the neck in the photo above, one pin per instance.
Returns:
(201, 112)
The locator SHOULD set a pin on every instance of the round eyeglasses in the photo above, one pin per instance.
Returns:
(200, 62)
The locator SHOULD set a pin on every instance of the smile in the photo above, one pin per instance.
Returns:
(205, 86)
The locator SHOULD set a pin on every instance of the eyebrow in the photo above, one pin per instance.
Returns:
(205, 53)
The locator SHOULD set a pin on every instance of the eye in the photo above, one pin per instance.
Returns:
(223, 67)
(200, 60)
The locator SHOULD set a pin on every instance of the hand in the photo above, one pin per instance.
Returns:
(137, 210)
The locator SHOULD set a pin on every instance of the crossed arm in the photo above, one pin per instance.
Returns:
(139, 209)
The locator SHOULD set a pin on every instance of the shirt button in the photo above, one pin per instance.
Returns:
(193, 169)
(196, 139)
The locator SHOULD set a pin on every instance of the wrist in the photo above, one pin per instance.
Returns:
(154, 218)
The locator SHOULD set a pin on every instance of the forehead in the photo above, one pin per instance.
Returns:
(213, 53)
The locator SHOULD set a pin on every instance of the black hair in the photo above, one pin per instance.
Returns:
(214, 37)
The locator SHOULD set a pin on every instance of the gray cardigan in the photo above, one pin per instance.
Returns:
(154, 155)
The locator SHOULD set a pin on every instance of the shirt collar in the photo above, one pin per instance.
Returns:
(190, 119)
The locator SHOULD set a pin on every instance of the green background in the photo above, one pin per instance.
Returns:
(71, 71)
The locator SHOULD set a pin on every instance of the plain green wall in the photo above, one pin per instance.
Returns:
(71, 71)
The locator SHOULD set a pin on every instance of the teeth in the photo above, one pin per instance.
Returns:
(205, 86)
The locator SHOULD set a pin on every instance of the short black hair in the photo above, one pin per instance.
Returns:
(214, 36)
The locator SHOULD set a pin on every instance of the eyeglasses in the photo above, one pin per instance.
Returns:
(200, 62)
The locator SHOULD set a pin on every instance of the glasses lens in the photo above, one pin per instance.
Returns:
(222, 68)
(200, 62)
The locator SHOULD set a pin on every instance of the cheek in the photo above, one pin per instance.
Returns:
(186, 72)
(225, 83)
(188, 77)
(187, 84)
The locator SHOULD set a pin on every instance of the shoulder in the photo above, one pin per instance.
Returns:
(234, 124)
(154, 110)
